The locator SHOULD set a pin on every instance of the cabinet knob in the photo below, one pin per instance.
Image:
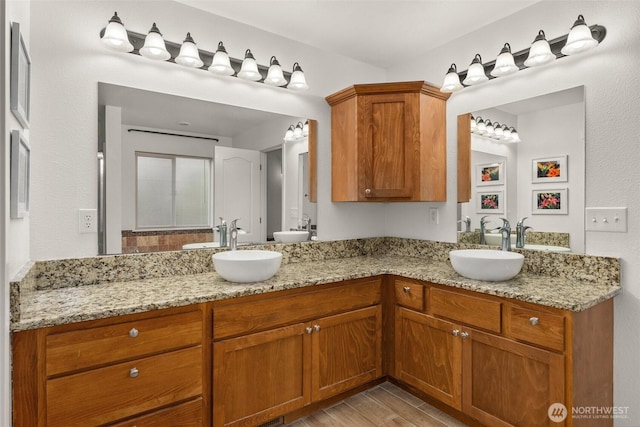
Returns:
(406, 289)
(455, 332)
(133, 372)
(308, 329)
(464, 335)
(367, 192)
(133, 333)
(316, 328)
(534, 321)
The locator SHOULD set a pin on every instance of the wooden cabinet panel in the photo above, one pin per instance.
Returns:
(261, 376)
(464, 158)
(409, 294)
(346, 351)
(535, 327)
(115, 392)
(81, 349)
(428, 355)
(507, 383)
(273, 311)
(470, 310)
(183, 415)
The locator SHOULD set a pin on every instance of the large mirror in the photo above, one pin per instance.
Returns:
(172, 168)
(540, 178)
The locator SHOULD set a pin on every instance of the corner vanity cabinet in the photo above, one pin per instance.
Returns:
(388, 143)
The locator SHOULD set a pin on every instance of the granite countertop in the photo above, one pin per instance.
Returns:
(49, 307)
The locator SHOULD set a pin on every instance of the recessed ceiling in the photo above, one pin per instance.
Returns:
(380, 33)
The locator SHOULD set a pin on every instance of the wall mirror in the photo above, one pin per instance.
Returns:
(542, 177)
(170, 167)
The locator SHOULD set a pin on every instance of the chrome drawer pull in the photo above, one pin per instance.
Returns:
(133, 372)
(464, 335)
(309, 329)
(455, 332)
(133, 333)
(406, 289)
(534, 321)
(316, 328)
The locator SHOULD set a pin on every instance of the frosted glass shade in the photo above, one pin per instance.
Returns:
(475, 73)
(288, 136)
(189, 55)
(221, 65)
(451, 81)
(540, 52)
(249, 68)
(579, 39)
(154, 47)
(297, 132)
(275, 76)
(115, 36)
(481, 127)
(505, 64)
(298, 80)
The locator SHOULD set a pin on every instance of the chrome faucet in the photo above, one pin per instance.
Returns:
(467, 224)
(520, 233)
(506, 235)
(233, 235)
(483, 229)
(307, 223)
(222, 229)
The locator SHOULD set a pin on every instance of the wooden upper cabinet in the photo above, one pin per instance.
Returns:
(388, 143)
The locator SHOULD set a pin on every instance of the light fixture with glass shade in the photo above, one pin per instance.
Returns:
(506, 132)
(298, 80)
(472, 124)
(475, 74)
(220, 64)
(514, 136)
(305, 128)
(580, 38)
(189, 55)
(539, 52)
(490, 129)
(154, 47)
(494, 131)
(288, 135)
(505, 64)
(498, 130)
(451, 81)
(275, 76)
(297, 132)
(249, 69)
(115, 35)
(481, 127)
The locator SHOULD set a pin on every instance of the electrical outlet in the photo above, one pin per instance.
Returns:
(606, 219)
(87, 221)
(434, 216)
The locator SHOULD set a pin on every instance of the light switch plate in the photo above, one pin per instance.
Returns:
(613, 220)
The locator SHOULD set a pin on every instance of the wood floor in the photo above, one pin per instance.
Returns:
(381, 406)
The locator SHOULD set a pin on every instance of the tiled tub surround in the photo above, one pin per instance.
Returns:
(57, 292)
(159, 240)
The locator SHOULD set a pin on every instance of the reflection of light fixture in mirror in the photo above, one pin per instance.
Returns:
(481, 129)
(473, 124)
(288, 136)
(514, 135)
(115, 35)
(221, 65)
(297, 132)
(298, 80)
(189, 55)
(154, 47)
(490, 130)
(494, 131)
(580, 38)
(506, 132)
(305, 128)
(275, 77)
(505, 63)
(539, 52)
(476, 73)
(498, 130)
(249, 69)
(451, 81)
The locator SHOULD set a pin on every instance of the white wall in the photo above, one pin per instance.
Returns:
(609, 74)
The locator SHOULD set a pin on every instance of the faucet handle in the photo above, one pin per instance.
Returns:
(505, 223)
(521, 222)
(483, 219)
(233, 223)
(222, 221)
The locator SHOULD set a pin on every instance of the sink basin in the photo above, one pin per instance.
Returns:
(495, 239)
(247, 266)
(547, 248)
(486, 264)
(290, 236)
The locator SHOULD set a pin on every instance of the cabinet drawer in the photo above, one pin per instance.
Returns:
(259, 315)
(409, 294)
(473, 311)
(76, 350)
(184, 415)
(536, 327)
(115, 392)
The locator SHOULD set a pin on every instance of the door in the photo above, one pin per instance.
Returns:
(428, 354)
(261, 376)
(347, 351)
(237, 179)
(508, 383)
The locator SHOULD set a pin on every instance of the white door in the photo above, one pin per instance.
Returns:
(237, 191)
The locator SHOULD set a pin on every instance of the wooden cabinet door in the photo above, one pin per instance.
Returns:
(261, 376)
(388, 145)
(347, 351)
(428, 355)
(507, 383)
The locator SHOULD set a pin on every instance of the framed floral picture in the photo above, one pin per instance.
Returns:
(490, 202)
(550, 202)
(550, 169)
(490, 174)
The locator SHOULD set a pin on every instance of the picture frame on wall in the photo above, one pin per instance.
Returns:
(19, 179)
(20, 77)
(490, 202)
(550, 169)
(550, 202)
(490, 174)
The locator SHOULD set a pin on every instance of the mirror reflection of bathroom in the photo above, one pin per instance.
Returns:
(538, 181)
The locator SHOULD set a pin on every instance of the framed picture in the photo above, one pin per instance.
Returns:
(20, 160)
(550, 169)
(490, 174)
(490, 202)
(550, 202)
(20, 77)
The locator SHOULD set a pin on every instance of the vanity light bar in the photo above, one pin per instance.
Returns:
(493, 130)
(116, 37)
(576, 41)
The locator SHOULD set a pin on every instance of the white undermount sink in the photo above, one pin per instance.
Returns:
(486, 264)
(495, 239)
(293, 236)
(247, 266)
